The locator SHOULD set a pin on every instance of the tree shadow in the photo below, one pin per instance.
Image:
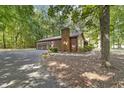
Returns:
(24, 70)
(86, 71)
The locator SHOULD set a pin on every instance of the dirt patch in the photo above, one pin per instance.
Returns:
(86, 71)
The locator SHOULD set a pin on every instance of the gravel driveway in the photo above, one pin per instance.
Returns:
(24, 68)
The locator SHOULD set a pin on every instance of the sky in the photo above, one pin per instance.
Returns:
(41, 7)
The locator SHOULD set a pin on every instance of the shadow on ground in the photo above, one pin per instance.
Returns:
(25, 69)
(86, 71)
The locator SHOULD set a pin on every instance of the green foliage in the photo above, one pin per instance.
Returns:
(87, 48)
(22, 26)
(53, 49)
(14, 26)
(45, 55)
(116, 27)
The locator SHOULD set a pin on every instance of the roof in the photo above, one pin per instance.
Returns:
(74, 34)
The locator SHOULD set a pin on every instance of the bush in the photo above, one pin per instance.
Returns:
(53, 49)
(45, 55)
(86, 48)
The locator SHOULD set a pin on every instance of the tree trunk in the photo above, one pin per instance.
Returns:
(85, 41)
(113, 41)
(119, 44)
(4, 40)
(16, 39)
(105, 38)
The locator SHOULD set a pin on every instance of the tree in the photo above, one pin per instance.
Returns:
(117, 28)
(14, 22)
(85, 14)
(105, 29)
(81, 16)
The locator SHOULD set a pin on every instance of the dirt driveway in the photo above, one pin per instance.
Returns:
(24, 68)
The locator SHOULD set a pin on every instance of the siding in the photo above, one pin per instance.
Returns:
(46, 44)
(74, 44)
(57, 43)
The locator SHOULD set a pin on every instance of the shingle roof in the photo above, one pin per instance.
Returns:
(74, 34)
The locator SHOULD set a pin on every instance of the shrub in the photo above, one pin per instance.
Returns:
(53, 49)
(86, 48)
(45, 55)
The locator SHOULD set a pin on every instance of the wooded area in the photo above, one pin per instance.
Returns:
(22, 26)
(101, 27)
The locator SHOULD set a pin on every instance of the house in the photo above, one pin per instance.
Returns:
(67, 42)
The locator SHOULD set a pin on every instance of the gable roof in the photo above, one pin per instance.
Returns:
(74, 34)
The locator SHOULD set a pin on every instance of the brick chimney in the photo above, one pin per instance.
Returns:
(65, 41)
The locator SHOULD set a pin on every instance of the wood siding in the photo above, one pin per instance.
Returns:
(57, 43)
(74, 44)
